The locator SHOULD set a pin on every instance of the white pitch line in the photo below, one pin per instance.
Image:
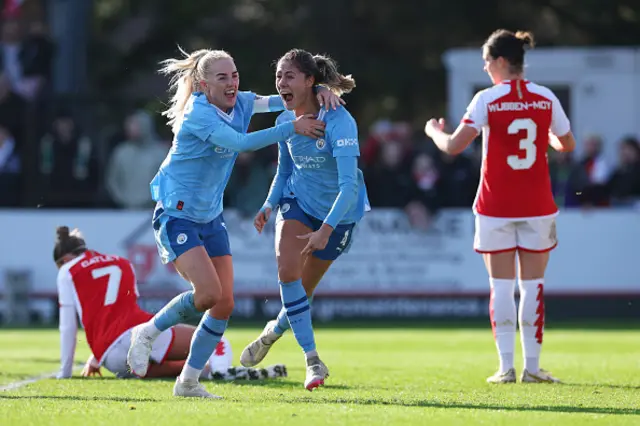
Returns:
(21, 383)
(30, 380)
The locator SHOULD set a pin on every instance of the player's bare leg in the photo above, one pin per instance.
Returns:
(179, 349)
(531, 314)
(208, 333)
(196, 266)
(501, 268)
(294, 298)
(312, 272)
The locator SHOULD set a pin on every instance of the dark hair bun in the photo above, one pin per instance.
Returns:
(527, 39)
(62, 232)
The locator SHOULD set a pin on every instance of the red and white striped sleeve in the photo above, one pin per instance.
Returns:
(560, 125)
(476, 115)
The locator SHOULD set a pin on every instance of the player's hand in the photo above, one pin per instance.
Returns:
(327, 98)
(91, 368)
(262, 218)
(317, 240)
(90, 371)
(307, 125)
(434, 125)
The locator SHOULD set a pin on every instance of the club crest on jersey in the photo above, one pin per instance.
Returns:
(285, 208)
(182, 238)
(320, 143)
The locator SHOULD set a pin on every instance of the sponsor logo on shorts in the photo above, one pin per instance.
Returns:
(182, 238)
(285, 208)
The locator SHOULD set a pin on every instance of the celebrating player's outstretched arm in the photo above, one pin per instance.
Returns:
(210, 118)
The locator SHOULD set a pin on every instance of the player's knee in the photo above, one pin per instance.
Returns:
(224, 307)
(205, 299)
(289, 268)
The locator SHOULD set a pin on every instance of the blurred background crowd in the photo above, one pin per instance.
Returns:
(99, 143)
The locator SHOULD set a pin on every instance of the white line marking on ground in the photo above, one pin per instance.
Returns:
(30, 380)
(21, 383)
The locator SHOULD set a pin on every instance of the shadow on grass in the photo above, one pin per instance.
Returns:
(603, 385)
(365, 402)
(280, 384)
(78, 398)
(434, 404)
(285, 383)
(270, 383)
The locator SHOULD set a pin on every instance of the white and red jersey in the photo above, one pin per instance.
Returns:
(515, 118)
(101, 290)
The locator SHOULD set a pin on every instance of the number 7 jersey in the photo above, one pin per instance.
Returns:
(102, 289)
(516, 118)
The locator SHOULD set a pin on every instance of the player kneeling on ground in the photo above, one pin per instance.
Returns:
(102, 291)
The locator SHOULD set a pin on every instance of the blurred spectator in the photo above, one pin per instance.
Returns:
(383, 132)
(248, 185)
(12, 8)
(567, 179)
(68, 165)
(458, 181)
(134, 163)
(10, 48)
(426, 178)
(379, 133)
(624, 184)
(389, 182)
(12, 111)
(36, 57)
(594, 166)
(10, 171)
(424, 200)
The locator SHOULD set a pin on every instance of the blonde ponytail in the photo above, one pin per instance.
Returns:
(185, 75)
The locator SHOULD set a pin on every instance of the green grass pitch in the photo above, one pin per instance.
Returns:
(391, 376)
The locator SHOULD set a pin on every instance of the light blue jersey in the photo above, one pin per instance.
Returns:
(322, 175)
(191, 180)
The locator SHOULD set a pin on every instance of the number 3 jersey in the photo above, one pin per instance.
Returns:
(515, 118)
(101, 290)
